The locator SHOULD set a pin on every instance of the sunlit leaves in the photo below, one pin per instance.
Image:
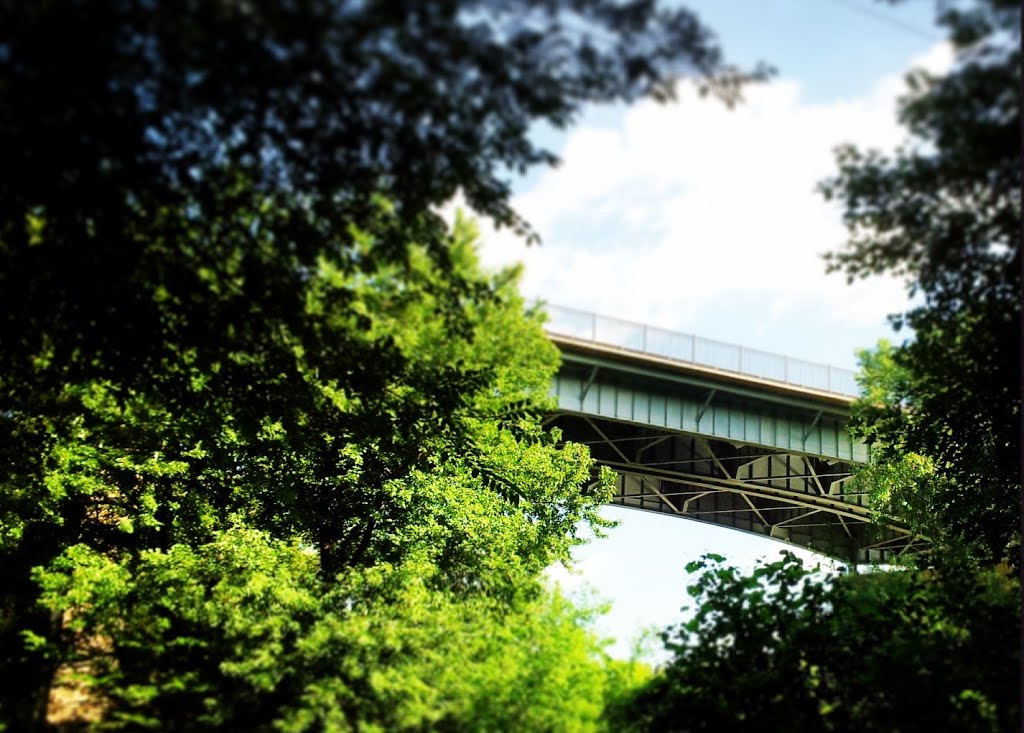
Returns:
(382, 648)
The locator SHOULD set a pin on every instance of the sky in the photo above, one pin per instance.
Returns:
(694, 217)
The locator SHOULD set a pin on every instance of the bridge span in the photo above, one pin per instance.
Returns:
(718, 433)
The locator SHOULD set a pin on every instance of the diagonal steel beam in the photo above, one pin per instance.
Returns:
(821, 490)
(756, 511)
(704, 407)
(686, 504)
(550, 419)
(661, 496)
(813, 474)
(797, 518)
(653, 443)
(810, 428)
(586, 387)
(714, 457)
(604, 437)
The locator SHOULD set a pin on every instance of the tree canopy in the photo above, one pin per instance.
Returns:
(941, 411)
(373, 415)
(241, 634)
(238, 338)
(337, 100)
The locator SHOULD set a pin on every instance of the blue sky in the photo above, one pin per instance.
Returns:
(693, 217)
(835, 48)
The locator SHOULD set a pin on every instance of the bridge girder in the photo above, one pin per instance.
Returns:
(722, 451)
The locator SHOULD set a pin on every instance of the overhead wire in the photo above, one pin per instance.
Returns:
(886, 18)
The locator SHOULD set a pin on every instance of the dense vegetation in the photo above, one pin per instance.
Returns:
(785, 648)
(271, 453)
(271, 443)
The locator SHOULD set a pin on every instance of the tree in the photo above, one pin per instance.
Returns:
(336, 100)
(941, 411)
(380, 649)
(225, 299)
(787, 648)
(369, 416)
(434, 467)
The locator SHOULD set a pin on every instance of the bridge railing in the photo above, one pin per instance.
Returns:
(685, 347)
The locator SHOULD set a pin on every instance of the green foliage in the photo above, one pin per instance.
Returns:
(259, 408)
(941, 431)
(372, 419)
(292, 398)
(242, 634)
(942, 410)
(787, 648)
(942, 211)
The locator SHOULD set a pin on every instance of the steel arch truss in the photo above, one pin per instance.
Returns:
(802, 499)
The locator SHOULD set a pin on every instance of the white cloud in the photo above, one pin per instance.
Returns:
(684, 208)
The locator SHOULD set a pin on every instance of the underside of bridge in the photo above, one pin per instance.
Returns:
(704, 449)
(803, 500)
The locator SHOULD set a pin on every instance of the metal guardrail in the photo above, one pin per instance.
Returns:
(684, 347)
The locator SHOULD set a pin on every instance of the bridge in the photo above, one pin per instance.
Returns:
(714, 432)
